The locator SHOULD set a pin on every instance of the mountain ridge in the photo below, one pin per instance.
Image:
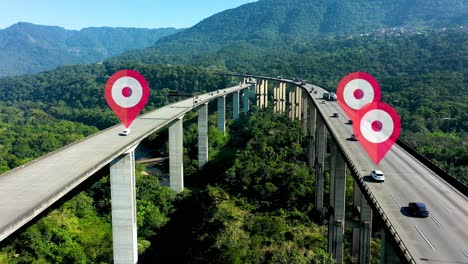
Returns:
(281, 24)
(27, 48)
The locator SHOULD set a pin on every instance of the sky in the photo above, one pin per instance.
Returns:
(77, 14)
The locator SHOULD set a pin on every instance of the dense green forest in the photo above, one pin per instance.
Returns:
(282, 24)
(227, 215)
(43, 112)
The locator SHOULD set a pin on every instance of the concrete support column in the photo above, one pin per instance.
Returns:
(331, 219)
(357, 195)
(246, 100)
(312, 124)
(278, 99)
(222, 114)
(265, 94)
(293, 104)
(176, 156)
(304, 114)
(339, 208)
(262, 93)
(258, 89)
(202, 135)
(283, 99)
(123, 203)
(365, 232)
(298, 104)
(320, 163)
(235, 105)
(275, 100)
(388, 253)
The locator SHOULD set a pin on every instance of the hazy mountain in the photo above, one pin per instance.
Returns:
(29, 48)
(279, 23)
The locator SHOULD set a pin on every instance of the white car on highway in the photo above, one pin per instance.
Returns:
(377, 175)
(125, 132)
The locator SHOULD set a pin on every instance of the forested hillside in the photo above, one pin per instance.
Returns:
(283, 24)
(28, 48)
(422, 75)
(227, 215)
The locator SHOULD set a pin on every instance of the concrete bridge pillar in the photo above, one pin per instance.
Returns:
(357, 195)
(176, 155)
(275, 104)
(258, 93)
(123, 204)
(280, 98)
(265, 94)
(298, 104)
(365, 232)
(202, 135)
(292, 103)
(339, 208)
(246, 100)
(222, 114)
(320, 163)
(312, 124)
(304, 114)
(262, 94)
(331, 216)
(235, 105)
(388, 253)
(283, 98)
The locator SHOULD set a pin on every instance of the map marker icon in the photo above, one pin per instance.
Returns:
(377, 127)
(127, 93)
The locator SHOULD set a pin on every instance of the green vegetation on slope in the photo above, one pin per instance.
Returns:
(269, 221)
(28, 48)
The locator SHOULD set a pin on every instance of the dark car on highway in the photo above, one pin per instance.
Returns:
(418, 209)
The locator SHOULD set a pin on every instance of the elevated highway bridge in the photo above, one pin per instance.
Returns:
(28, 190)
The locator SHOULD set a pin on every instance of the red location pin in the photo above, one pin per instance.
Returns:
(126, 93)
(356, 90)
(377, 127)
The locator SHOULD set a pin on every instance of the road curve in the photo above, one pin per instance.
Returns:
(440, 238)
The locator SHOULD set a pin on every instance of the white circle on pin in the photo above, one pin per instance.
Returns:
(358, 93)
(127, 92)
(377, 126)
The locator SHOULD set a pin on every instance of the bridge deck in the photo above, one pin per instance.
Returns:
(28, 190)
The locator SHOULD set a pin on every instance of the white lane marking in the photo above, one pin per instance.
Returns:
(446, 207)
(408, 191)
(425, 238)
(435, 220)
(434, 177)
(464, 252)
(396, 200)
